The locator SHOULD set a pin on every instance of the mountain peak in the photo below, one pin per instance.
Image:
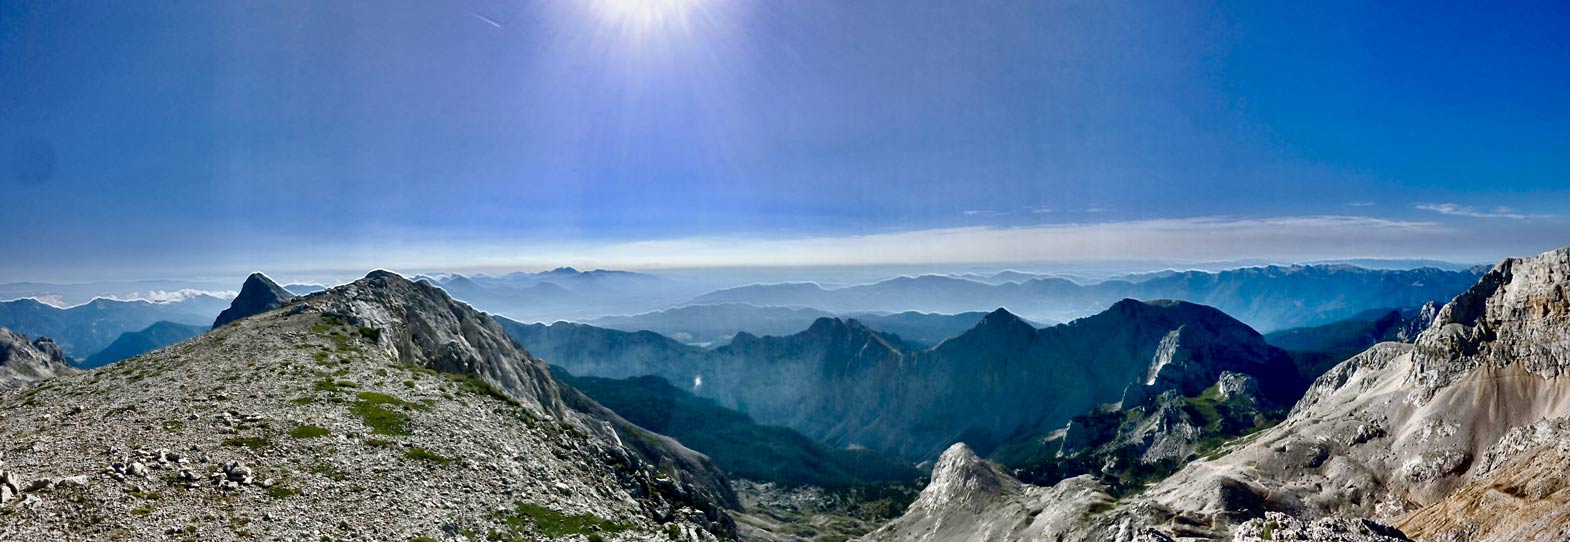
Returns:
(259, 294)
(1517, 312)
(963, 480)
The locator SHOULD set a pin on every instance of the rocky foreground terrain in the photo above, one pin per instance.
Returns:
(1463, 436)
(379, 410)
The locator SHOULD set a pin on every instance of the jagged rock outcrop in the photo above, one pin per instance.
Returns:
(379, 410)
(1401, 429)
(259, 294)
(23, 362)
(1279, 527)
(1457, 437)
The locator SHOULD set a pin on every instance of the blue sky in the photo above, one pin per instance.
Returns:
(189, 138)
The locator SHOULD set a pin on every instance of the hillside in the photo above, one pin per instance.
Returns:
(132, 344)
(380, 410)
(738, 445)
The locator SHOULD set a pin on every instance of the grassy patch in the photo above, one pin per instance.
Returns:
(373, 408)
(475, 385)
(309, 431)
(539, 520)
(142, 510)
(422, 454)
(282, 492)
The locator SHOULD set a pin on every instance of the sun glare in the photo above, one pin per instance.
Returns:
(645, 15)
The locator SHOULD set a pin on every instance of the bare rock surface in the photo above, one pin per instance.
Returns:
(23, 362)
(1279, 527)
(381, 410)
(1458, 437)
(259, 294)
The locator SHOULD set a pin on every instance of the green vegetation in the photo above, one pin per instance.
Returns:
(373, 408)
(370, 333)
(280, 491)
(533, 519)
(475, 385)
(309, 431)
(422, 454)
(142, 510)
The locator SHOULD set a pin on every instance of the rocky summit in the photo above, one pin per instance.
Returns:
(259, 294)
(378, 410)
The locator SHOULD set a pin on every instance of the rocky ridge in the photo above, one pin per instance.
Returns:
(380, 410)
(23, 362)
(1457, 437)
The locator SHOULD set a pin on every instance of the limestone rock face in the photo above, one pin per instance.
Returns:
(23, 362)
(1517, 314)
(1462, 436)
(1276, 526)
(259, 294)
(1424, 436)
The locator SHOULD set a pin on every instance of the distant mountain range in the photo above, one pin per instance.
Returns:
(847, 384)
(1267, 298)
(85, 329)
(740, 446)
(1462, 435)
(717, 324)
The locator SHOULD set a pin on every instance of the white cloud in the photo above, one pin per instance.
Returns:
(983, 212)
(53, 300)
(175, 296)
(1467, 211)
(1360, 204)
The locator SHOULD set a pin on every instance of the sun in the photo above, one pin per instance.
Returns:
(645, 15)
